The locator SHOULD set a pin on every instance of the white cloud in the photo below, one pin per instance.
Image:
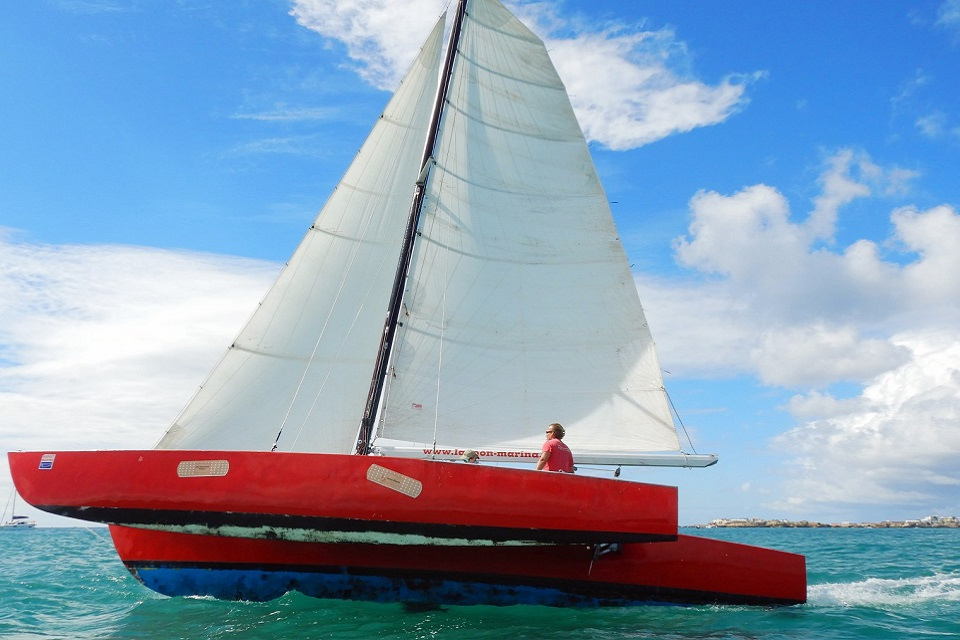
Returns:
(933, 280)
(101, 346)
(948, 16)
(895, 444)
(788, 271)
(783, 305)
(936, 125)
(747, 237)
(783, 302)
(809, 355)
(381, 36)
(301, 145)
(816, 404)
(701, 329)
(626, 94)
(286, 113)
(626, 83)
(758, 219)
(92, 7)
(840, 187)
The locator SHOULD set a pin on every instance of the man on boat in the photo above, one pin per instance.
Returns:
(556, 456)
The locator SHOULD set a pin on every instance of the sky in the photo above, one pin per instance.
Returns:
(785, 177)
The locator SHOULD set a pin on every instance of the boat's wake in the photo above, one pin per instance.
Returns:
(888, 592)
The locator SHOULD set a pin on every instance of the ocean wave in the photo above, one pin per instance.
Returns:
(888, 592)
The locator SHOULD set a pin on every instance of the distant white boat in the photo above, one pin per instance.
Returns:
(15, 521)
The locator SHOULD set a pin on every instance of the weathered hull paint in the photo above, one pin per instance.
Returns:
(254, 525)
(259, 586)
(340, 498)
(688, 571)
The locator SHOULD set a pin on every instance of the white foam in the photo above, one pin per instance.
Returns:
(887, 592)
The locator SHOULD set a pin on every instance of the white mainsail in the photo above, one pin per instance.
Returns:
(519, 308)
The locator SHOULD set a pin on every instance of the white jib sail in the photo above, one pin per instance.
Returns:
(304, 360)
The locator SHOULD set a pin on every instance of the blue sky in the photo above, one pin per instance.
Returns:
(785, 176)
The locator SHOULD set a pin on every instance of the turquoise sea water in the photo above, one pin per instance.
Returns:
(864, 583)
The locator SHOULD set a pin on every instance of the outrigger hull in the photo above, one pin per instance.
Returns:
(687, 571)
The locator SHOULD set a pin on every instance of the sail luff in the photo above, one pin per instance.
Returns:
(378, 379)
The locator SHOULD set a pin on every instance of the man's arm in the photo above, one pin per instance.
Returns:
(543, 459)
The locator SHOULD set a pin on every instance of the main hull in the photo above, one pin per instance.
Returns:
(253, 526)
(341, 498)
(687, 571)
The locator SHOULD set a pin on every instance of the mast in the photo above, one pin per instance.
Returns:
(378, 380)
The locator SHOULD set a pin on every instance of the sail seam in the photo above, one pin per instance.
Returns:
(488, 258)
(560, 196)
(350, 238)
(532, 39)
(515, 78)
(518, 132)
(549, 347)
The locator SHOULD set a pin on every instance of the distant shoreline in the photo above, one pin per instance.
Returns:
(929, 522)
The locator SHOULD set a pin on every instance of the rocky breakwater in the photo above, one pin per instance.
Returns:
(929, 522)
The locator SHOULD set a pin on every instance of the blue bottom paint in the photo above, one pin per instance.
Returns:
(261, 585)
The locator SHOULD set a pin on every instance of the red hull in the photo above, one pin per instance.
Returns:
(341, 498)
(253, 525)
(689, 570)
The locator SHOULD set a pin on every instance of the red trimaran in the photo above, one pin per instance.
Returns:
(510, 305)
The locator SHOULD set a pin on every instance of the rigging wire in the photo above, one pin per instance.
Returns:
(102, 538)
(443, 328)
(319, 340)
(682, 426)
